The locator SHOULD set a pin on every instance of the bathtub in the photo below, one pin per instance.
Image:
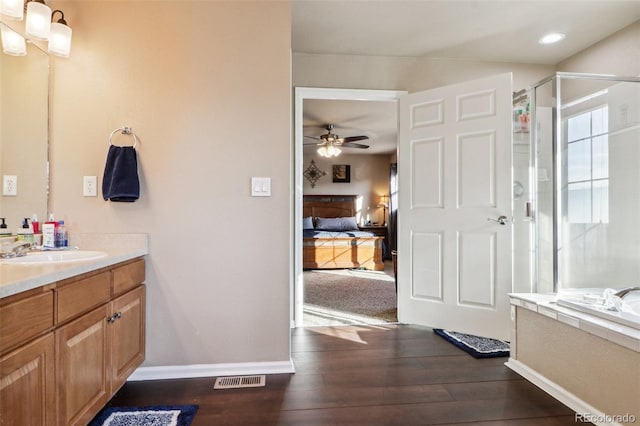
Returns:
(577, 351)
(594, 301)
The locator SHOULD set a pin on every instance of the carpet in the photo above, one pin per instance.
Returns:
(476, 346)
(160, 415)
(350, 296)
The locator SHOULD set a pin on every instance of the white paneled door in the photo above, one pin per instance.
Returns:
(454, 223)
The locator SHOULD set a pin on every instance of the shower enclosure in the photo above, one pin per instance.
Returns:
(576, 171)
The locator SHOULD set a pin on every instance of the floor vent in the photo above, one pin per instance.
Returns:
(236, 382)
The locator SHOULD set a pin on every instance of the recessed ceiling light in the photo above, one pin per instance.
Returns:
(551, 38)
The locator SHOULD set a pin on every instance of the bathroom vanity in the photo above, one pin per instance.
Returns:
(70, 335)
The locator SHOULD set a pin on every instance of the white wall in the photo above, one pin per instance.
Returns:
(369, 179)
(207, 88)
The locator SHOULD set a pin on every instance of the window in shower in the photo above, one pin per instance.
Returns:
(588, 166)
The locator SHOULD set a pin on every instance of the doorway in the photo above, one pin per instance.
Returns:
(302, 94)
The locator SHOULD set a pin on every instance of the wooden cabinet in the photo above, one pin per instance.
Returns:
(81, 368)
(27, 387)
(96, 354)
(27, 382)
(128, 337)
(72, 346)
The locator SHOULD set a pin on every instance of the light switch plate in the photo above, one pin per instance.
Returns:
(10, 185)
(261, 187)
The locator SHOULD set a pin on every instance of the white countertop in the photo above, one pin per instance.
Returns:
(16, 278)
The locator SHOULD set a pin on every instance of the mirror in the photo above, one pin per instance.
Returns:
(24, 134)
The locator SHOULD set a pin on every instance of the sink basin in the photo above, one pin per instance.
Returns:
(55, 257)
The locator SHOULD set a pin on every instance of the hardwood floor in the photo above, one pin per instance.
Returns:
(366, 375)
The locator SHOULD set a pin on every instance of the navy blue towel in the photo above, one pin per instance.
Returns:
(120, 181)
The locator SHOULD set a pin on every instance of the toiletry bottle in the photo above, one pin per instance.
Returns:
(61, 235)
(35, 224)
(49, 233)
(4, 232)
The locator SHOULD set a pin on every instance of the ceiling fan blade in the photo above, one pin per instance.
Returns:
(313, 137)
(354, 145)
(354, 138)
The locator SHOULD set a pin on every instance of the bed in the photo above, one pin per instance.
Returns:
(341, 247)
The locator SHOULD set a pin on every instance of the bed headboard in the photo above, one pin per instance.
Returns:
(329, 205)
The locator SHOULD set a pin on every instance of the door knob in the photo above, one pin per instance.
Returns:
(502, 220)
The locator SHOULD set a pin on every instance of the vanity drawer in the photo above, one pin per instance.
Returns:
(79, 296)
(128, 276)
(25, 318)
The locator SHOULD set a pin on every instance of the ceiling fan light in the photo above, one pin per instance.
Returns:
(12, 9)
(12, 42)
(322, 151)
(38, 24)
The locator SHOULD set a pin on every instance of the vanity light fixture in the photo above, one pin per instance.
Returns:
(39, 25)
(551, 38)
(60, 36)
(12, 42)
(12, 9)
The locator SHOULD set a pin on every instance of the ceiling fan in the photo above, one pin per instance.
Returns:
(330, 143)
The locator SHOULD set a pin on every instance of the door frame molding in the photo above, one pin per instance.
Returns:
(301, 94)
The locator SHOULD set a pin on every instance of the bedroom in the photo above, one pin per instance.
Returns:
(355, 184)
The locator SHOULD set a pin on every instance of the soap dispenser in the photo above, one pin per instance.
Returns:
(4, 232)
(26, 232)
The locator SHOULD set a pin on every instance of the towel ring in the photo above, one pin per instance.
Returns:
(124, 131)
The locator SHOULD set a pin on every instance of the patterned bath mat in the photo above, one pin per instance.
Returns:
(161, 415)
(476, 346)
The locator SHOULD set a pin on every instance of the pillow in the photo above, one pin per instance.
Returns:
(336, 223)
(307, 222)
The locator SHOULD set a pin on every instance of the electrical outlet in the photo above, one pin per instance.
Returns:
(10, 185)
(90, 186)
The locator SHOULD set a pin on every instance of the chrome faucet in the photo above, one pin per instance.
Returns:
(623, 292)
(16, 249)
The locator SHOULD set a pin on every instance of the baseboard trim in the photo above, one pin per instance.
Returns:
(211, 370)
(561, 394)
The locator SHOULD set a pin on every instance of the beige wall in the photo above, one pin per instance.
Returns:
(618, 54)
(206, 86)
(369, 179)
(404, 73)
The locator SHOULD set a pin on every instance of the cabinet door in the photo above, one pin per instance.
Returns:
(27, 385)
(82, 367)
(128, 335)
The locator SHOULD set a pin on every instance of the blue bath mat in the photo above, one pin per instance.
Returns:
(476, 346)
(160, 415)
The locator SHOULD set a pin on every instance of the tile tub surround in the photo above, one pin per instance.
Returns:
(119, 248)
(589, 363)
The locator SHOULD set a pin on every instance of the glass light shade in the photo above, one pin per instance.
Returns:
(38, 24)
(13, 9)
(12, 42)
(60, 40)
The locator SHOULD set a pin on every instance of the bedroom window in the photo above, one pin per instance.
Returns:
(588, 166)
